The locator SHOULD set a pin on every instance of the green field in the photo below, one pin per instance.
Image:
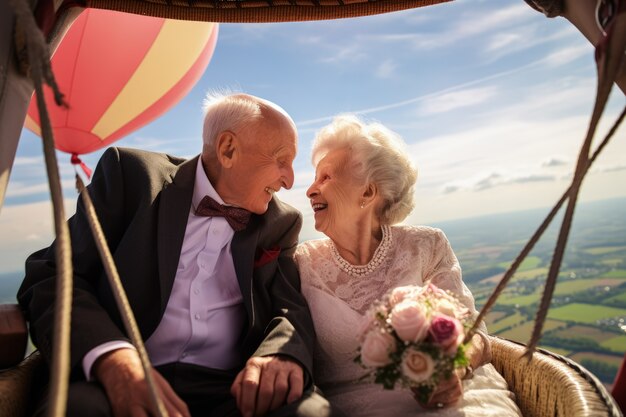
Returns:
(616, 344)
(602, 250)
(522, 332)
(611, 261)
(559, 351)
(610, 359)
(505, 322)
(521, 300)
(585, 313)
(494, 316)
(574, 286)
(588, 332)
(616, 273)
(530, 262)
(530, 274)
(619, 297)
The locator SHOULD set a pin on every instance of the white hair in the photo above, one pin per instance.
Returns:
(376, 155)
(223, 112)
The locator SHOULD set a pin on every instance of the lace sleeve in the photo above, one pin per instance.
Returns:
(445, 272)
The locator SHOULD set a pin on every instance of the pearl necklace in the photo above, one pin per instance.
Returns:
(359, 271)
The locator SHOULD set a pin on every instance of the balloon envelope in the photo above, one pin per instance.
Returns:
(120, 71)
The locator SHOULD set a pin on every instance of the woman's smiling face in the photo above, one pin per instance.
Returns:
(335, 195)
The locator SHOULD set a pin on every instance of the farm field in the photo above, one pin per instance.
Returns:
(587, 318)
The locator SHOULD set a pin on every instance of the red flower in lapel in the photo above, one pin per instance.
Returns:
(265, 256)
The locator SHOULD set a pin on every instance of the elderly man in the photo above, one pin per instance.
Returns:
(204, 250)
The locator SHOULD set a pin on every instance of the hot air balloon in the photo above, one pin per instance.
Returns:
(120, 71)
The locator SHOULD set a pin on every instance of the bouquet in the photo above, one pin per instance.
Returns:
(414, 337)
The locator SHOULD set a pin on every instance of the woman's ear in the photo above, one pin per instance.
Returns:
(369, 193)
(226, 146)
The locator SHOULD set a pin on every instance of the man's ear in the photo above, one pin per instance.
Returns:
(226, 146)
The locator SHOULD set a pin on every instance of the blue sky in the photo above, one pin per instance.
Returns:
(492, 98)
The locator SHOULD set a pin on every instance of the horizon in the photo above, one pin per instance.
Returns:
(540, 212)
(491, 97)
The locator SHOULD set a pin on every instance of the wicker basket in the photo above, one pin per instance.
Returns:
(550, 384)
(547, 386)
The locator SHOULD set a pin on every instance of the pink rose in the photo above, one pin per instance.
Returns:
(417, 366)
(446, 332)
(409, 320)
(436, 291)
(376, 348)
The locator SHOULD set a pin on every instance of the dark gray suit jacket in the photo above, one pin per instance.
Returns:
(142, 200)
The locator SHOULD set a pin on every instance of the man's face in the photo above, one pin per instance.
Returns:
(267, 148)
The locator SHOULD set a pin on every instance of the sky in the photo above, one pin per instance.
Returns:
(492, 99)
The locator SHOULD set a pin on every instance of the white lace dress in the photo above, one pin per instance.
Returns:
(418, 255)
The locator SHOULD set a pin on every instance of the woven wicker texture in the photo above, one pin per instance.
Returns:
(16, 385)
(551, 385)
(248, 11)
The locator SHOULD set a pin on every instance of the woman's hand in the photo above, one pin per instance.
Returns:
(448, 392)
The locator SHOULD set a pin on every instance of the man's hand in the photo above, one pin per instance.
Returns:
(123, 378)
(266, 383)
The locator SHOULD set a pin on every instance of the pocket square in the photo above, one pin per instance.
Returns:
(265, 256)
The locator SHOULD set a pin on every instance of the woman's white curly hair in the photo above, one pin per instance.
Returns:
(376, 155)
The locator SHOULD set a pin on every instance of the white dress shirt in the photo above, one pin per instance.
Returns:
(205, 315)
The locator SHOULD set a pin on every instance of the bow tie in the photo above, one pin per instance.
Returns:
(236, 217)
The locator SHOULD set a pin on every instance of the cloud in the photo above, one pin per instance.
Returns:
(488, 182)
(346, 53)
(26, 228)
(531, 178)
(424, 97)
(567, 55)
(612, 168)
(523, 37)
(457, 99)
(386, 69)
(493, 180)
(554, 162)
(466, 26)
(20, 190)
(28, 160)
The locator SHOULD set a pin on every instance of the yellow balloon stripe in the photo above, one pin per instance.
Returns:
(32, 125)
(178, 41)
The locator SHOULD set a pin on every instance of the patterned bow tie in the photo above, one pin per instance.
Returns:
(236, 217)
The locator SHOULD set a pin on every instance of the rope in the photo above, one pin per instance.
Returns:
(609, 54)
(120, 296)
(35, 62)
(29, 38)
(535, 237)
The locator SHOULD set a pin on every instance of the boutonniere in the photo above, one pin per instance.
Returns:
(265, 256)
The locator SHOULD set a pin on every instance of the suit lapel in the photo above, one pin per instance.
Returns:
(173, 215)
(243, 248)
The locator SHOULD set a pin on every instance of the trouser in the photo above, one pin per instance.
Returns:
(205, 391)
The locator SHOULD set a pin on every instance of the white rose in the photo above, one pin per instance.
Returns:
(376, 348)
(409, 320)
(399, 294)
(446, 307)
(417, 366)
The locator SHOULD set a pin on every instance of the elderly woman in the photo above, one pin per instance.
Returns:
(363, 187)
